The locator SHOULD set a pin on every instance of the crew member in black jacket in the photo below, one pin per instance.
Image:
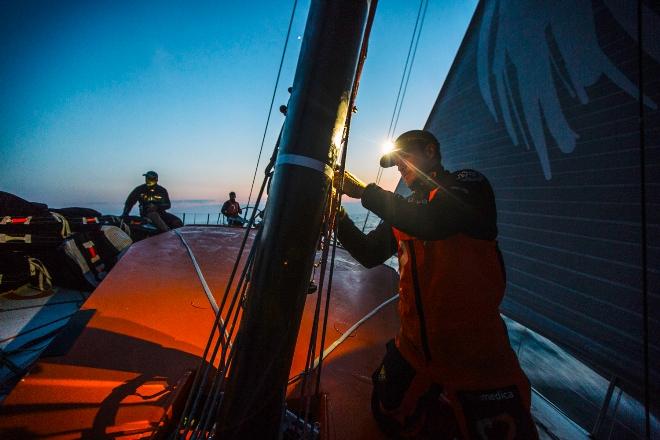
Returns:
(450, 368)
(154, 201)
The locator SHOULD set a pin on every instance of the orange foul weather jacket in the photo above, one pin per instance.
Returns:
(452, 280)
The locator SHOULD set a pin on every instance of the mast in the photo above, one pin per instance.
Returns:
(252, 406)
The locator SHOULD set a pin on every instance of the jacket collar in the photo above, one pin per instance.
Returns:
(424, 185)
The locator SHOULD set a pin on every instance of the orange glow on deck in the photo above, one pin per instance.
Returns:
(150, 320)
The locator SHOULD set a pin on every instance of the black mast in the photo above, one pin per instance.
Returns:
(252, 406)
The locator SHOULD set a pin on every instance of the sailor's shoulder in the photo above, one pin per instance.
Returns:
(469, 176)
(157, 189)
(471, 183)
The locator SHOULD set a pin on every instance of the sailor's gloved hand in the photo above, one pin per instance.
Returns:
(353, 187)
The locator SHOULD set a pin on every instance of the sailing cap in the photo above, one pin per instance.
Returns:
(410, 140)
(151, 175)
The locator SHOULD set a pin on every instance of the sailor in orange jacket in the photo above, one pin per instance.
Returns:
(451, 368)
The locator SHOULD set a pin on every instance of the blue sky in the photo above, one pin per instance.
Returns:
(95, 93)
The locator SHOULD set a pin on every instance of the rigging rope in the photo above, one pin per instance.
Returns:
(330, 227)
(190, 413)
(202, 280)
(403, 85)
(414, 40)
(412, 62)
(318, 361)
(213, 399)
(272, 100)
(196, 422)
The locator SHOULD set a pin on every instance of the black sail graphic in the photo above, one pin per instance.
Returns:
(544, 99)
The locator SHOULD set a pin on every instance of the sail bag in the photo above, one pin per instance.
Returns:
(17, 269)
(92, 254)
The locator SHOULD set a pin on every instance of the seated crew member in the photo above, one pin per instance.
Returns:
(450, 372)
(154, 201)
(231, 209)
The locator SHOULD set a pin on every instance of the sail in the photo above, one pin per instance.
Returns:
(544, 98)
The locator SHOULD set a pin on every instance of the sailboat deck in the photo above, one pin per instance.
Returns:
(115, 369)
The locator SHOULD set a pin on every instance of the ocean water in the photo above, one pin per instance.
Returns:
(202, 212)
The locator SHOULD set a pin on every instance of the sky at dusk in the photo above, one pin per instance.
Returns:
(95, 93)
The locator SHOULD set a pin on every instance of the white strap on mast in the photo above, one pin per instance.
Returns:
(304, 161)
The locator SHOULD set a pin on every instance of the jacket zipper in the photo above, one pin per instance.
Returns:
(418, 303)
